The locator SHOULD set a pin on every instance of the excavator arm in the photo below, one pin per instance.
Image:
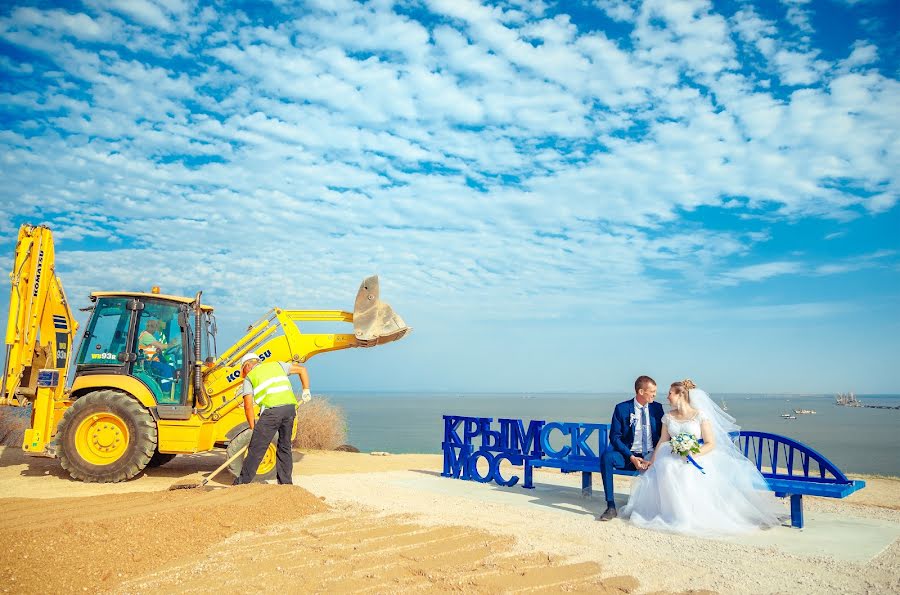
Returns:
(39, 335)
(40, 327)
(278, 335)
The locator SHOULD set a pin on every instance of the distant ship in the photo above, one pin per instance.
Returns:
(788, 416)
(805, 411)
(847, 400)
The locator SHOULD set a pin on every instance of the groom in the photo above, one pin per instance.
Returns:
(633, 434)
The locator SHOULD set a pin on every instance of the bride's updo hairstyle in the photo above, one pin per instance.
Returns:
(683, 388)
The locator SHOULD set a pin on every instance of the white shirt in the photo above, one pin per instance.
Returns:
(639, 426)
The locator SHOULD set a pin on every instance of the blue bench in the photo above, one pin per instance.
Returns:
(787, 467)
(790, 468)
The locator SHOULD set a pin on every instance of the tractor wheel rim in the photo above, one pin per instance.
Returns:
(102, 438)
(268, 460)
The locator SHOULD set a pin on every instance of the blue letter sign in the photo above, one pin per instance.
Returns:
(468, 440)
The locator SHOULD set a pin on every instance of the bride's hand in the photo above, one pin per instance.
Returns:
(639, 463)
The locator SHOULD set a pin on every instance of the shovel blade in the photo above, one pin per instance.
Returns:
(375, 322)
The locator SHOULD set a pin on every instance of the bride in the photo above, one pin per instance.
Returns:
(720, 493)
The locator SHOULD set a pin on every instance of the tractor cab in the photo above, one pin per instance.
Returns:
(150, 337)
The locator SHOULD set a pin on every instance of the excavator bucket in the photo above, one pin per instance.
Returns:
(374, 322)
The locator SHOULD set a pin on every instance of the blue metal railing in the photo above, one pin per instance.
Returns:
(787, 458)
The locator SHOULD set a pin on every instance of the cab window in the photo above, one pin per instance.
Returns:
(107, 333)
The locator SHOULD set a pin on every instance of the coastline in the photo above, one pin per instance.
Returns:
(391, 523)
(413, 422)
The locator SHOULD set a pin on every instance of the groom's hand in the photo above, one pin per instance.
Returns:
(639, 463)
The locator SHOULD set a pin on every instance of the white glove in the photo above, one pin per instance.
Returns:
(306, 396)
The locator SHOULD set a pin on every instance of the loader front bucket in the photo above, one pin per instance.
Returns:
(374, 322)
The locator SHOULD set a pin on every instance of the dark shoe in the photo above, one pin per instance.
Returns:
(609, 514)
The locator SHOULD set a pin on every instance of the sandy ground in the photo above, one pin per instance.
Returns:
(357, 522)
(139, 537)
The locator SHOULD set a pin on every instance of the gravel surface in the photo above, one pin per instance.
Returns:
(659, 561)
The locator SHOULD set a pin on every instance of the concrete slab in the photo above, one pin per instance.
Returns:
(842, 537)
(838, 536)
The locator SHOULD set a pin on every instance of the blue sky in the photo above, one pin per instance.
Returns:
(557, 196)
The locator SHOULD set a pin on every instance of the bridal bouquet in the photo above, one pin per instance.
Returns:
(684, 445)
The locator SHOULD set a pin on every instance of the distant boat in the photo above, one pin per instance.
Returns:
(805, 411)
(788, 416)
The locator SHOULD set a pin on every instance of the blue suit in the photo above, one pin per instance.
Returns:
(621, 437)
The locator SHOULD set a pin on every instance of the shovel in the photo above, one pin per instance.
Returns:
(190, 486)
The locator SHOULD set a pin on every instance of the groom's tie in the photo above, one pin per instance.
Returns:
(645, 431)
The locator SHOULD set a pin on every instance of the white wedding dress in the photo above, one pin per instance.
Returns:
(729, 497)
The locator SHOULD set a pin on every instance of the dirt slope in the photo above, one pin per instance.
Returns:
(66, 544)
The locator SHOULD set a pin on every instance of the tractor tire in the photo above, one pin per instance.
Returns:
(266, 468)
(106, 436)
(160, 458)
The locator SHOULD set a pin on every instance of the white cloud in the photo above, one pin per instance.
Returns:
(761, 272)
(143, 11)
(882, 202)
(798, 15)
(798, 68)
(752, 28)
(879, 258)
(498, 157)
(78, 25)
(619, 10)
(863, 54)
(692, 38)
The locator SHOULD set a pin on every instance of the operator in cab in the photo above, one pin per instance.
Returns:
(151, 343)
(267, 384)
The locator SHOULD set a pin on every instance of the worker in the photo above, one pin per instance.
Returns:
(267, 385)
(151, 343)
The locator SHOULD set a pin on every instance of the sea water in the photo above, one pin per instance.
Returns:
(857, 440)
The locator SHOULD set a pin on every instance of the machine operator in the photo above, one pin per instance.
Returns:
(151, 343)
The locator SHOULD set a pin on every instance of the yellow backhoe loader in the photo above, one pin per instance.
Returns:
(148, 384)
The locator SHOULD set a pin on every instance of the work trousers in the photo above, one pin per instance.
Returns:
(612, 459)
(277, 419)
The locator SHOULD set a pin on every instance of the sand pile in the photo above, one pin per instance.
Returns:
(68, 544)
